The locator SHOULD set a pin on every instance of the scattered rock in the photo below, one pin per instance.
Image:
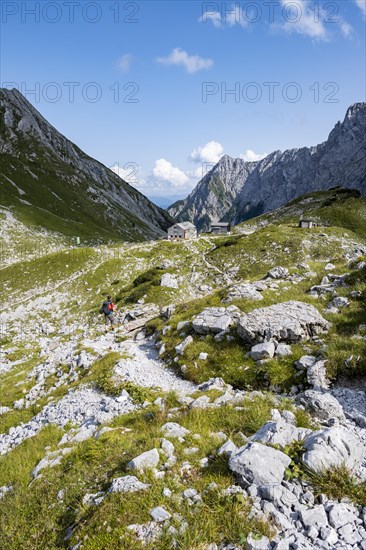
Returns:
(322, 405)
(215, 319)
(93, 499)
(201, 402)
(314, 517)
(167, 311)
(283, 350)
(127, 484)
(146, 460)
(172, 429)
(147, 532)
(266, 350)
(305, 362)
(182, 346)
(159, 514)
(287, 322)
(51, 460)
(278, 273)
(315, 371)
(77, 435)
(167, 492)
(317, 376)
(169, 281)
(104, 430)
(338, 302)
(340, 514)
(183, 324)
(244, 291)
(214, 384)
(258, 464)
(167, 448)
(257, 542)
(353, 402)
(228, 448)
(192, 496)
(279, 433)
(191, 450)
(332, 447)
(219, 435)
(80, 407)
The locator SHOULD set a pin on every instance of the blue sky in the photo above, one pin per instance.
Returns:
(151, 80)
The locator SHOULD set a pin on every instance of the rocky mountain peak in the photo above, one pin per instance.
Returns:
(355, 110)
(75, 187)
(22, 120)
(235, 190)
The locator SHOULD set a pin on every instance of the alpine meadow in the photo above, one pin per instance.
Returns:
(183, 275)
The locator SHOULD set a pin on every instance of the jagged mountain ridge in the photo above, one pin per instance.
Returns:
(50, 182)
(235, 190)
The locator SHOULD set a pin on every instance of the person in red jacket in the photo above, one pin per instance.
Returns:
(109, 309)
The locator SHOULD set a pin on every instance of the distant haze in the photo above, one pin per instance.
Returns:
(164, 202)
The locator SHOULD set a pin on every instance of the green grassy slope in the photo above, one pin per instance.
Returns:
(76, 281)
(49, 182)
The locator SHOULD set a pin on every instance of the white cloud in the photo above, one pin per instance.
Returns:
(301, 19)
(211, 152)
(200, 171)
(295, 16)
(164, 181)
(346, 29)
(362, 5)
(124, 63)
(213, 16)
(164, 170)
(229, 16)
(251, 156)
(191, 63)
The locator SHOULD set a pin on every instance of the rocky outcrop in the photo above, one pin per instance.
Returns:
(215, 319)
(323, 405)
(182, 346)
(332, 448)
(169, 281)
(278, 272)
(256, 463)
(280, 433)
(245, 291)
(84, 407)
(235, 190)
(315, 371)
(287, 322)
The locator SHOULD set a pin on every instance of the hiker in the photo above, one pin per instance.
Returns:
(108, 309)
